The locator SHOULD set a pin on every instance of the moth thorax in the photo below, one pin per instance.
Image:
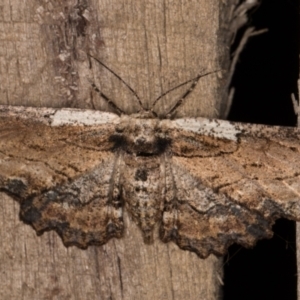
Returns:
(142, 136)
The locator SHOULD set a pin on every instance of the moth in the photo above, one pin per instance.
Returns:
(203, 183)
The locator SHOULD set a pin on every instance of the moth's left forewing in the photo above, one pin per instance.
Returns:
(253, 168)
(269, 155)
(202, 220)
(248, 162)
(199, 137)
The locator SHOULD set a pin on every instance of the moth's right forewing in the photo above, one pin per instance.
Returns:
(41, 148)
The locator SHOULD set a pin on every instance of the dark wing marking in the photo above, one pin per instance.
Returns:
(199, 219)
(62, 171)
(230, 183)
(87, 211)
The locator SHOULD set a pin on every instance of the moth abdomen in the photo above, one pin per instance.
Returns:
(142, 190)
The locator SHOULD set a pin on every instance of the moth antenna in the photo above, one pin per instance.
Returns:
(170, 90)
(108, 100)
(182, 98)
(122, 80)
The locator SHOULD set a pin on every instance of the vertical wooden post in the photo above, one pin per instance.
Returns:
(152, 45)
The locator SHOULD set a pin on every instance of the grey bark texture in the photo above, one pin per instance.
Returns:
(152, 45)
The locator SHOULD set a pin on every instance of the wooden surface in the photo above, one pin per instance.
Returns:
(43, 268)
(297, 111)
(298, 257)
(153, 46)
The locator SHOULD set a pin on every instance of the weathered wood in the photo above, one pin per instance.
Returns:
(298, 257)
(153, 46)
(297, 111)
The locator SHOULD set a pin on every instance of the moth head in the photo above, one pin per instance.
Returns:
(141, 136)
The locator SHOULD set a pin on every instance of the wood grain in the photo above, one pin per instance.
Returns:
(44, 63)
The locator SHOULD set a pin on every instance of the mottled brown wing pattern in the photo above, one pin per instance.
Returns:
(230, 189)
(206, 183)
(64, 176)
(86, 211)
(40, 156)
(202, 220)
